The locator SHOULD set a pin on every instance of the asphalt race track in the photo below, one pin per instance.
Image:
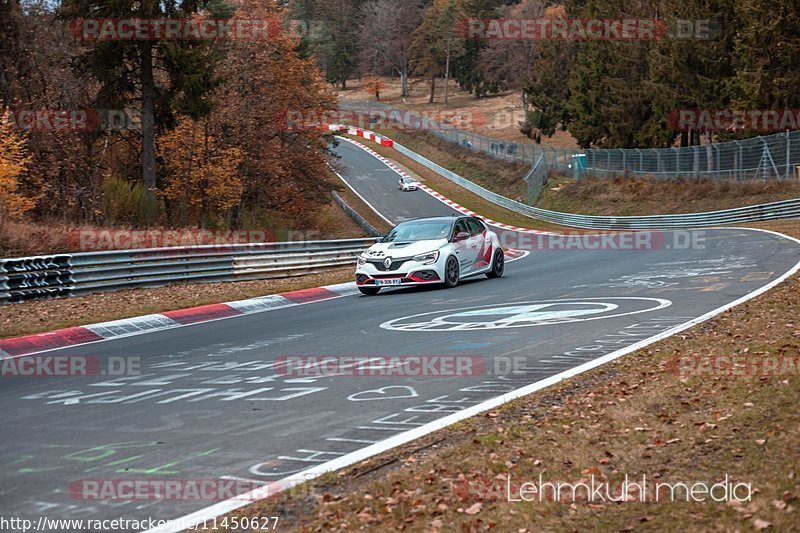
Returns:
(377, 183)
(212, 401)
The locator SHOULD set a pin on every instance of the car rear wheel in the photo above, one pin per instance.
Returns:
(451, 274)
(369, 291)
(498, 265)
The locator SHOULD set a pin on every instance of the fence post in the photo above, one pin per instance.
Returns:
(641, 161)
(788, 154)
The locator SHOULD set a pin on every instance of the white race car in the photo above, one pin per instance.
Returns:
(430, 250)
(408, 184)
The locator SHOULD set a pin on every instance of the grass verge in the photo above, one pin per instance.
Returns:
(632, 416)
(613, 196)
(621, 196)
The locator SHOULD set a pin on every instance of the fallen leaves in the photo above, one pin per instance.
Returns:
(761, 524)
(474, 509)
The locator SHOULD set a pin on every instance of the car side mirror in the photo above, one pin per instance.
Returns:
(461, 236)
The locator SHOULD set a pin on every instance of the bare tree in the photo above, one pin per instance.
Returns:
(385, 37)
(510, 63)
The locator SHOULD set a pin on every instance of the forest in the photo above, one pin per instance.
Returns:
(191, 132)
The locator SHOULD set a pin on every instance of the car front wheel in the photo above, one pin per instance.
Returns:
(498, 265)
(451, 274)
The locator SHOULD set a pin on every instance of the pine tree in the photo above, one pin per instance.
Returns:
(438, 42)
(162, 78)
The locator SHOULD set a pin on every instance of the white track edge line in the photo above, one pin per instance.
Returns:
(363, 199)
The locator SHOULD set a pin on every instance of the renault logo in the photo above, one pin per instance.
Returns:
(387, 263)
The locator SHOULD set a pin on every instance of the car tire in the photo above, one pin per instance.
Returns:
(498, 265)
(451, 273)
(369, 291)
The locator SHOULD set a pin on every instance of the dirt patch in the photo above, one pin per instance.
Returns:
(497, 116)
(635, 416)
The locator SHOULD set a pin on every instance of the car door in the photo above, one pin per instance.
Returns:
(466, 250)
(482, 242)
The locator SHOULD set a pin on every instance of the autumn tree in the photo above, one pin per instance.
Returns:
(374, 85)
(35, 60)
(201, 174)
(283, 164)
(14, 161)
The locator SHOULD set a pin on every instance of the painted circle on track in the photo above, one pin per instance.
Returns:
(526, 314)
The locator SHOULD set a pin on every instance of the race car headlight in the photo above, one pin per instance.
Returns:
(362, 260)
(426, 259)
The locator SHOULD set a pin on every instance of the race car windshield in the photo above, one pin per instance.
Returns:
(408, 180)
(419, 231)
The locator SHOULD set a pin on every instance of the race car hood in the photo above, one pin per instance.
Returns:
(403, 249)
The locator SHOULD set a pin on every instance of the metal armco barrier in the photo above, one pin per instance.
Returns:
(371, 230)
(754, 213)
(28, 278)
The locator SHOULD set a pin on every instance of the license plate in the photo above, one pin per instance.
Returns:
(393, 281)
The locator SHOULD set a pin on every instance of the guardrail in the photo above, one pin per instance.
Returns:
(772, 211)
(371, 230)
(28, 278)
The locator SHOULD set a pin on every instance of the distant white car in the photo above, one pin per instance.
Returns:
(408, 184)
(430, 250)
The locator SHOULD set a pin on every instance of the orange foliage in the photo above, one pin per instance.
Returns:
(202, 175)
(283, 169)
(374, 86)
(14, 161)
(557, 11)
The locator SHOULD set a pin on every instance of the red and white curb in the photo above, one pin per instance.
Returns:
(358, 132)
(62, 338)
(128, 327)
(461, 209)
